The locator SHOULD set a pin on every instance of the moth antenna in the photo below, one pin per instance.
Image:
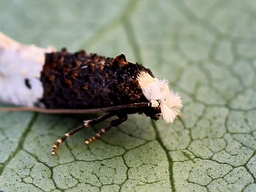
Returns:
(77, 111)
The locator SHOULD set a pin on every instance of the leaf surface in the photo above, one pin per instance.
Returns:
(207, 52)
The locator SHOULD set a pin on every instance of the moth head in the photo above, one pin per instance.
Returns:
(159, 95)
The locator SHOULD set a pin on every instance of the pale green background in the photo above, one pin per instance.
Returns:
(206, 49)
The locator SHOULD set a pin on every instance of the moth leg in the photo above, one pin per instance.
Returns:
(62, 139)
(72, 132)
(114, 123)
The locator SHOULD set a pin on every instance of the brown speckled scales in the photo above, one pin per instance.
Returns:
(89, 81)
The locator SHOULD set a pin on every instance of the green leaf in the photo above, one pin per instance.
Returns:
(206, 49)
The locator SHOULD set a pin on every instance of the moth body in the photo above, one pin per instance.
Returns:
(43, 78)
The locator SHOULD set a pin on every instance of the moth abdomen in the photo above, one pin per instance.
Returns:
(99, 81)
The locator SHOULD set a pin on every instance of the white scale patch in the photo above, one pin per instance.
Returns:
(17, 63)
(155, 89)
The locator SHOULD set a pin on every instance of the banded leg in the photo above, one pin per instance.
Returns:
(114, 123)
(72, 132)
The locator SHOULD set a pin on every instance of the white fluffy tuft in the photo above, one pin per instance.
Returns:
(17, 63)
(155, 89)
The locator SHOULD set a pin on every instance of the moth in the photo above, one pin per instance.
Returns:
(50, 81)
